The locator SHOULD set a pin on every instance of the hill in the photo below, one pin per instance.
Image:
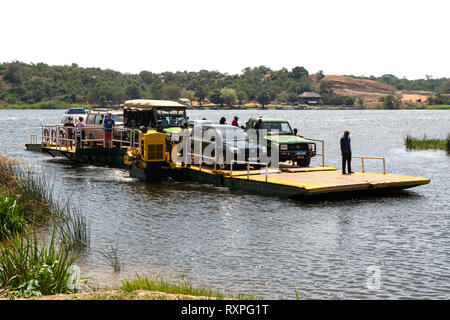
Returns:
(23, 84)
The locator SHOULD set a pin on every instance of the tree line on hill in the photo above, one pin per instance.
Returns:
(22, 83)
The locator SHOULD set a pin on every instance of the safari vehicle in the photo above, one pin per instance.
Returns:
(74, 113)
(94, 123)
(230, 141)
(143, 112)
(291, 147)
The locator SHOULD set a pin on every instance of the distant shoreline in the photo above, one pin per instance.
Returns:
(216, 107)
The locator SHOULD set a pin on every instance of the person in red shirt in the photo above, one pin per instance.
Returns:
(235, 122)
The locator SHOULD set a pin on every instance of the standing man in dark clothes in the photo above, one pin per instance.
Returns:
(346, 151)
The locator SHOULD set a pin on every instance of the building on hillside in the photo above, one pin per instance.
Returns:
(310, 98)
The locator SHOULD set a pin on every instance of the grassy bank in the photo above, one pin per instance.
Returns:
(53, 104)
(30, 264)
(427, 143)
(176, 287)
(143, 287)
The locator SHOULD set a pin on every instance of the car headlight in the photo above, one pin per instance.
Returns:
(283, 146)
(312, 147)
(234, 150)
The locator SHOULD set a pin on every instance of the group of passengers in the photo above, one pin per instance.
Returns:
(80, 126)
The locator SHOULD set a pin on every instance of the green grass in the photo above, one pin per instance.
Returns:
(427, 143)
(442, 106)
(432, 107)
(181, 287)
(31, 266)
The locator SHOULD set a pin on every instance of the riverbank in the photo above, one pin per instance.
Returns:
(431, 107)
(143, 287)
(46, 105)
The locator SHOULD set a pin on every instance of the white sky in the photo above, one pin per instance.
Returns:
(406, 38)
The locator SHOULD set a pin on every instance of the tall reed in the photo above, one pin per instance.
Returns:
(111, 257)
(11, 217)
(31, 266)
(73, 229)
(426, 143)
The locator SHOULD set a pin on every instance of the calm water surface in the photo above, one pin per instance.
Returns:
(248, 243)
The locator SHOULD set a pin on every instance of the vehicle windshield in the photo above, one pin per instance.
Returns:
(234, 135)
(280, 128)
(172, 121)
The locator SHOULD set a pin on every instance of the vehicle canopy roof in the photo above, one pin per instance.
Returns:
(145, 104)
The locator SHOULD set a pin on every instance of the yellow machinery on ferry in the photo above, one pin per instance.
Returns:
(152, 150)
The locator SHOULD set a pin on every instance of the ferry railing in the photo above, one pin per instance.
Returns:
(57, 136)
(202, 156)
(323, 149)
(371, 158)
(34, 138)
(248, 163)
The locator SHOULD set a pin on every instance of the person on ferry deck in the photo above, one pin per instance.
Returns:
(235, 121)
(108, 124)
(346, 152)
(68, 126)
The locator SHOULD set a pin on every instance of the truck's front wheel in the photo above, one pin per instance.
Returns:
(304, 162)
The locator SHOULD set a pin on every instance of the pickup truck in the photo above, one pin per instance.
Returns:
(291, 147)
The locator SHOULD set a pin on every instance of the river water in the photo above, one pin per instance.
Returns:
(374, 247)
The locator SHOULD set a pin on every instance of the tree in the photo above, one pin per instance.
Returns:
(446, 87)
(263, 97)
(102, 101)
(172, 92)
(241, 95)
(360, 101)
(390, 102)
(188, 94)
(229, 96)
(133, 91)
(14, 74)
(320, 75)
(216, 98)
(147, 77)
(201, 92)
(298, 72)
